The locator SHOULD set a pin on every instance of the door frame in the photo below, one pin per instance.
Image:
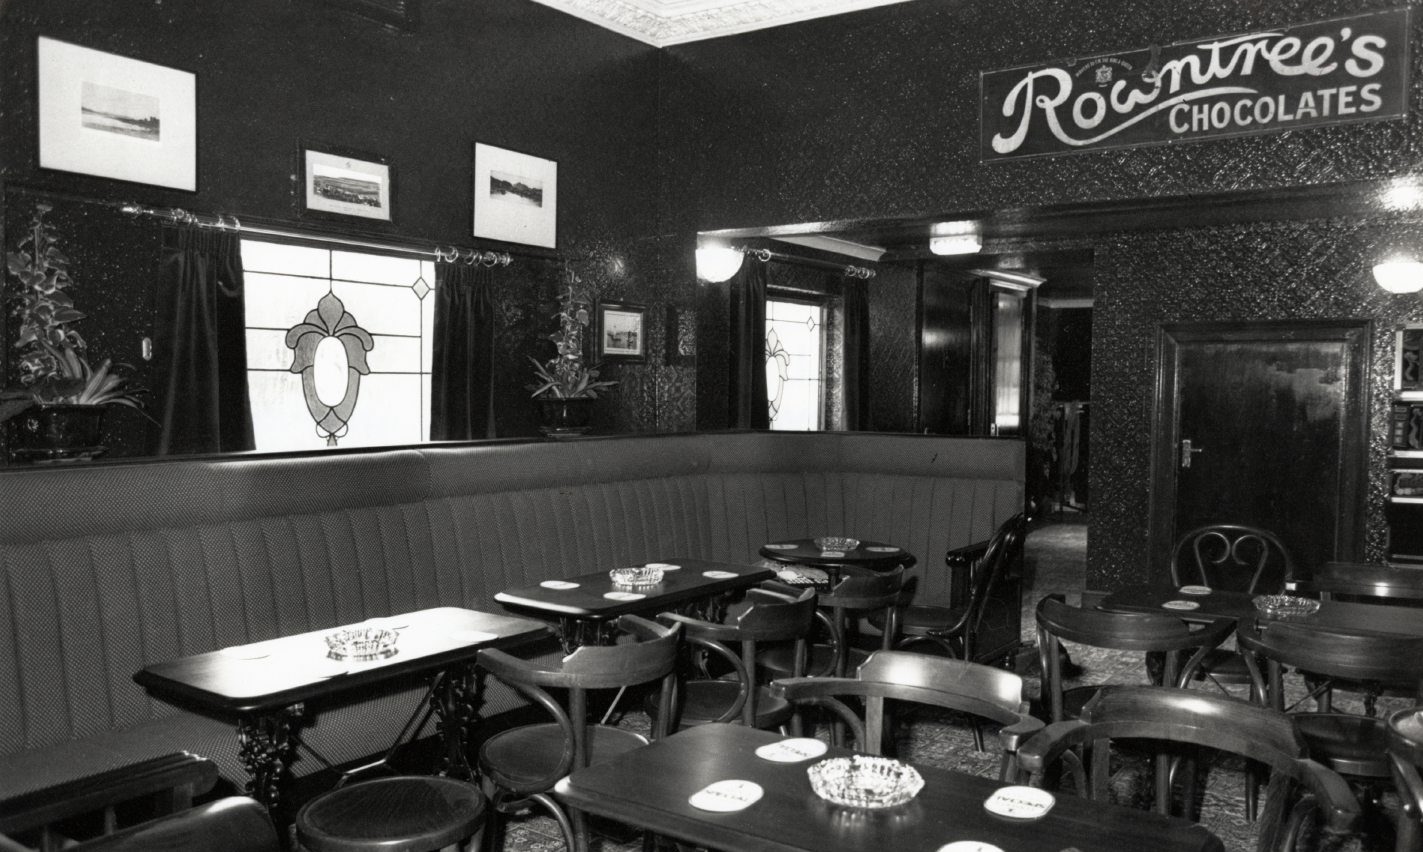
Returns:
(1355, 334)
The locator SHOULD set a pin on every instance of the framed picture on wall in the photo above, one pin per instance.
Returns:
(114, 117)
(622, 332)
(515, 197)
(339, 182)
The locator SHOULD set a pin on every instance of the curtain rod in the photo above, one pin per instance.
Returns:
(221, 221)
(766, 256)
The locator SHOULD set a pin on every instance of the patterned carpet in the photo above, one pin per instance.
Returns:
(1054, 559)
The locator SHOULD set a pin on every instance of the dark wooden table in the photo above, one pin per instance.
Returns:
(867, 556)
(584, 613)
(1332, 615)
(649, 788)
(266, 686)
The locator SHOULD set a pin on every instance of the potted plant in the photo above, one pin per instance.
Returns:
(61, 395)
(567, 384)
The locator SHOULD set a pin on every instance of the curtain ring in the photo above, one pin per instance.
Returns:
(473, 257)
(763, 255)
(236, 223)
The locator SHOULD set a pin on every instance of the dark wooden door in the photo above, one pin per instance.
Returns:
(1262, 424)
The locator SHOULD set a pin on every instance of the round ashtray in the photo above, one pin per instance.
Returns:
(645, 575)
(862, 781)
(1284, 606)
(361, 644)
(836, 542)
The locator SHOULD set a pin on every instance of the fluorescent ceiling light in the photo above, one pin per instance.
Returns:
(1009, 278)
(836, 245)
(956, 244)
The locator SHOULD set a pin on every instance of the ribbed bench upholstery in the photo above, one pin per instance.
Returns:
(107, 568)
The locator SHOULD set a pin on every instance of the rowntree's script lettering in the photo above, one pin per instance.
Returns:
(1341, 70)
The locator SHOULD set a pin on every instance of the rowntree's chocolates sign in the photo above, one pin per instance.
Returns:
(1346, 69)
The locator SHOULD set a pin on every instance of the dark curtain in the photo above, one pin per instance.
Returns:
(749, 405)
(201, 343)
(857, 355)
(462, 397)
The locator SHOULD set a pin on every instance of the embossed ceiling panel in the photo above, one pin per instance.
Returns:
(665, 22)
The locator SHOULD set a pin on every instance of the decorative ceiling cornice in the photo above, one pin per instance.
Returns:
(666, 22)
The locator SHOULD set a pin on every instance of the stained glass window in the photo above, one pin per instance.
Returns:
(795, 360)
(339, 346)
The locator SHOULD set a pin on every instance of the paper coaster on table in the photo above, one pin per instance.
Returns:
(665, 566)
(883, 549)
(1195, 590)
(1020, 802)
(1183, 605)
(561, 585)
(727, 796)
(623, 596)
(792, 751)
(780, 547)
(970, 846)
(246, 652)
(720, 575)
(834, 554)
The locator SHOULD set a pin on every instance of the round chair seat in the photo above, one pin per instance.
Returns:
(401, 814)
(522, 757)
(1348, 744)
(780, 662)
(706, 700)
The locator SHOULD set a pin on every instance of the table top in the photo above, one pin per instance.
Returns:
(1332, 615)
(649, 787)
(875, 555)
(587, 598)
(293, 669)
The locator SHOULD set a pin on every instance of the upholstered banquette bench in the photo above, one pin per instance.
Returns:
(109, 567)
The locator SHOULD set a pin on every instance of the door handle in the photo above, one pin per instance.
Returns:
(1187, 451)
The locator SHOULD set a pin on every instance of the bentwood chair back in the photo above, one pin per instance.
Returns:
(855, 596)
(771, 612)
(1144, 632)
(232, 824)
(1405, 751)
(1232, 557)
(954, 629)
(903, 676)
(1169, 716)
(522, 764)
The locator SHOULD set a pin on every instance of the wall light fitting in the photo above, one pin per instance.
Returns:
(1399, 275)
(717, 264)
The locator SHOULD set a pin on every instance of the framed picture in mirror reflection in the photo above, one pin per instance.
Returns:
(114, 117)
(621, 333)
(341, 183)
(515, 197)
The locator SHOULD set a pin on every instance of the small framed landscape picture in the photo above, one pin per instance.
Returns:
(114, 117)
(343, 183)
(515, 197)
(622, 332)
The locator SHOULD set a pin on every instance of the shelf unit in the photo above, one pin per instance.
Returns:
(1404, 512)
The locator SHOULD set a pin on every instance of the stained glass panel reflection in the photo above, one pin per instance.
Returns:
(795, 357)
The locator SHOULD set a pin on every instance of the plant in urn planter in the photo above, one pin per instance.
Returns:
(61, 398)
(567, 384)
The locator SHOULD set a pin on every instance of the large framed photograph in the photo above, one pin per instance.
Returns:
(515, 197)
(114, 117)
(622, 332)
(339, 182)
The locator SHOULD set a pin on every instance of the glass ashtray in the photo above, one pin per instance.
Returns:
(361, 644)
(1284, 606)
(836, 542)
(632, 578)
(862, 781)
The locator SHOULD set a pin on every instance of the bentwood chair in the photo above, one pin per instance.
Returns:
(1235, 558)
(982, 691)
(1299, 787)
(771, 612)
(1354, 745)
(954, 629)
(1121, 631)
(853, 597)
(522, 765)
(1405, 751)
